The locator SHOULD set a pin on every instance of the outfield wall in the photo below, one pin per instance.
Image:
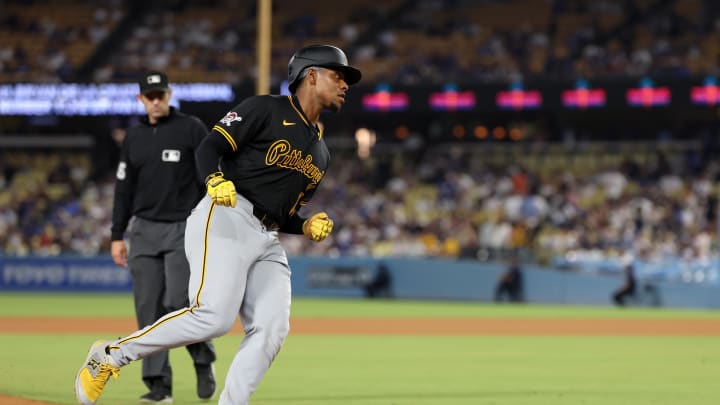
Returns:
(411, 279)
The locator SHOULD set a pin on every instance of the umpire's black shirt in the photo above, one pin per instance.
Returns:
(156, 177)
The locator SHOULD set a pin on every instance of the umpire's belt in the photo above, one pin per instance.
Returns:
(265, 219)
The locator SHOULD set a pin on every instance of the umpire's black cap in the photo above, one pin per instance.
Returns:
(154, 81)
(327, 56)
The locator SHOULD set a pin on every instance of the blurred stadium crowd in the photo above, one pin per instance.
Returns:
(398, 41)
(547, 202)
(583, 203)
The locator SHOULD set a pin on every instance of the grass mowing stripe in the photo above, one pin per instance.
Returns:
(121, 305)
(503, 370)
(406, 370)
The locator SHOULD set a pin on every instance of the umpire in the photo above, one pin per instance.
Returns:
(157, 187)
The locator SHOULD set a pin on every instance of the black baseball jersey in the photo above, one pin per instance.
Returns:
(277, 158)
(156, 178)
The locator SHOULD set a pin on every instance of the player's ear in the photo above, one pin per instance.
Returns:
(312, 75)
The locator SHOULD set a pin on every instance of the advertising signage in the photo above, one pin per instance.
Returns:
(576, 97)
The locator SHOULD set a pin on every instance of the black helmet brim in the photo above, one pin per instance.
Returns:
(352, 75)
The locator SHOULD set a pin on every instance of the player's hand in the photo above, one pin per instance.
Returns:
(221, 190)
(318, 226)
(118, 251)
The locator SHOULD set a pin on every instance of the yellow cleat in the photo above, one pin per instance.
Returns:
(94, 374)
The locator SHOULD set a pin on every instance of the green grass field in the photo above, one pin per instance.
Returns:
(333, 370)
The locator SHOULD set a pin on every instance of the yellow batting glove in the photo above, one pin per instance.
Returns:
(318, 226)
(221, 190)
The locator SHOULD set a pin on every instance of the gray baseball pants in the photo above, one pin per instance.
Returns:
(160, 274)
(236, 267)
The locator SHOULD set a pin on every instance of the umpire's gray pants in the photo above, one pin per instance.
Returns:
(160, 275)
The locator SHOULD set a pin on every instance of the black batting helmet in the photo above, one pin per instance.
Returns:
(327, 56)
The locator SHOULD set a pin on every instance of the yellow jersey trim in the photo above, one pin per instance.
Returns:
(227, 136)
(297, 111)
(320, 131)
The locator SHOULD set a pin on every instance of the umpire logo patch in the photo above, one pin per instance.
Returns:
(171, 155)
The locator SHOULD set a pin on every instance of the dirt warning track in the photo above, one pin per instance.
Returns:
(401, 326)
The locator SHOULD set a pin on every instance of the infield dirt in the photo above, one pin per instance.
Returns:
(403, 326)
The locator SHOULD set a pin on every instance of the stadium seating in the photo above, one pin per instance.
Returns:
(47, 41)
(402, 42)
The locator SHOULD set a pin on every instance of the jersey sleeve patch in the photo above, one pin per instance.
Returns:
(230, 117)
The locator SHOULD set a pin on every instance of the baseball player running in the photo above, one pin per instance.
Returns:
(261, 163)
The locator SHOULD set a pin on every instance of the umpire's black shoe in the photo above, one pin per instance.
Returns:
(156, 397)
(205, 381)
